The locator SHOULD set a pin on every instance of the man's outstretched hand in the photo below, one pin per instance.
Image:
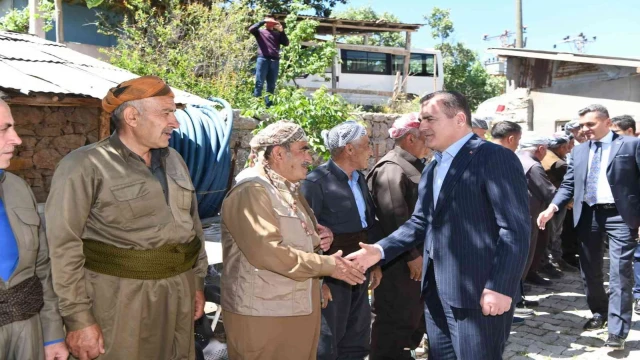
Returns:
(346, 270)
(366, 257)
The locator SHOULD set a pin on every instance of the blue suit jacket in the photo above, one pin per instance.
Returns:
(480, 225)
(623, 173)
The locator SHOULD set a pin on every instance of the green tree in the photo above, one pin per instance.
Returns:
(463, 71)
(320, 7)
(367, 13)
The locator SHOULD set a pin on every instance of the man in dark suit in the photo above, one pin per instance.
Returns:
(603, 178)
(473, 217)
(338, 194)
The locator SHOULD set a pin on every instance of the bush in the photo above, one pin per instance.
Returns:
(205, 50)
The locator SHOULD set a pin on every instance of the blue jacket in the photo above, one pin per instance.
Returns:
(623, 173)
(479, 226)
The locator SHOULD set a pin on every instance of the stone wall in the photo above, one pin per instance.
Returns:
(377, 124)
(48, 134)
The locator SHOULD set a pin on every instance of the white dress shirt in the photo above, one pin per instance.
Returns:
(603, 193)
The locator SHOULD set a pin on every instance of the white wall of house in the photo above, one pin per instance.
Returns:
(562, 102)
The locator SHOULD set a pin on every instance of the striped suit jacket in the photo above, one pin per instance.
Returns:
(479, 226)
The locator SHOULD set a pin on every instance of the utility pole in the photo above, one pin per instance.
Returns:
(519, 32)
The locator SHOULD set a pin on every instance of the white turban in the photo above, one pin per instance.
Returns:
(404, 124)
(531, 140)
(343, 134)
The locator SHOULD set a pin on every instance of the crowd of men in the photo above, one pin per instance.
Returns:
(446, 244)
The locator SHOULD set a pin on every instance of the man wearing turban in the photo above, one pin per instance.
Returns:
(393, 182)
(272, 246)
(125, 237)
(339, 196)
(533, 149)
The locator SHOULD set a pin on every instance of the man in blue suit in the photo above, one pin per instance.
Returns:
(473, 216)
(603, 178)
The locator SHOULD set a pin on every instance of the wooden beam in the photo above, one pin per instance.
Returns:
(334, 67)
(407, 60)
(356, 91)
(375, 49)
(53, 100)
(369, 28)
(104, 128)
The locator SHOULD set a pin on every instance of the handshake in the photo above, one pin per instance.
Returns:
(351, 268)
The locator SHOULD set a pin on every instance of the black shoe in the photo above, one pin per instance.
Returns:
(636, 308)
(536, 279)
(551, 271)
(517, 320)
(565, 266)
(595, 323)
(614, 342)
(522, 310)
(529, 303)
(572, 260)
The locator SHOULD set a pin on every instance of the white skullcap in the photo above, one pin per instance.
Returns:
(530, 140)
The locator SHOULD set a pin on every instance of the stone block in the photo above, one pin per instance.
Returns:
(68, 130)
(379, 118)
(25, 115)
(44, 143)
(28, 142)
(22, 131)
(79, 128)
(49, 131)
(46, 159)
(70, 142)
(55, 119)
(245, 123)
(20, 163)
(25, 153)
(84, 115)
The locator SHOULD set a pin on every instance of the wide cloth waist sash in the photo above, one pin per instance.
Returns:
(161, 263)
(21, 302)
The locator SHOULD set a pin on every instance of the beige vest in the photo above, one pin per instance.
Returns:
(247, 290)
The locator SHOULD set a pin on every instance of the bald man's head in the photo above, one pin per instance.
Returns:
(9, 139)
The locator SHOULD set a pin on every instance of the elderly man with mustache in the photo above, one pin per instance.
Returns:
(272, 246)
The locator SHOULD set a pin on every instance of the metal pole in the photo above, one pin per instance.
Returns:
(519, 31)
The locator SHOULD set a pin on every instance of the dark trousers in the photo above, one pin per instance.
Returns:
(593, 226)
(570, 245)
(636, 272)
(464, 334)
(398, 310)
(266, 70)
(346, 322)
(541, 250)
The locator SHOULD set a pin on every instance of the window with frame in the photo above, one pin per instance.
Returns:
(419, 64)
(363, 62)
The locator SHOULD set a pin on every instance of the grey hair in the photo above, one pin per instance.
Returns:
(117, 116)
(601, 111)
(335, 153)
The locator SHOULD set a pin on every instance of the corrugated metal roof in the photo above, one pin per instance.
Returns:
(29, 64)
(562, 56)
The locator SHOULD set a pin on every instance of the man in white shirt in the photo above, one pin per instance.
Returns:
(603, 178)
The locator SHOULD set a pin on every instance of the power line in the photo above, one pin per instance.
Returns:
(578, 42)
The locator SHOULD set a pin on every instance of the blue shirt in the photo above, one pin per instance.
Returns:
(357, 194)
(442, 168)
(9, 255)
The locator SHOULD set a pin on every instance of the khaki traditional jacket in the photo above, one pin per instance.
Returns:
(29, 232)
(269, 260)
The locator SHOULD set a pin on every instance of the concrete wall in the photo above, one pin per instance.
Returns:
(562, 102)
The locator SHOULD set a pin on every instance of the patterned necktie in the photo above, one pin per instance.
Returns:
(592, 179)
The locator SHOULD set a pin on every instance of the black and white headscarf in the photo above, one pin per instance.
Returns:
(343, 134)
